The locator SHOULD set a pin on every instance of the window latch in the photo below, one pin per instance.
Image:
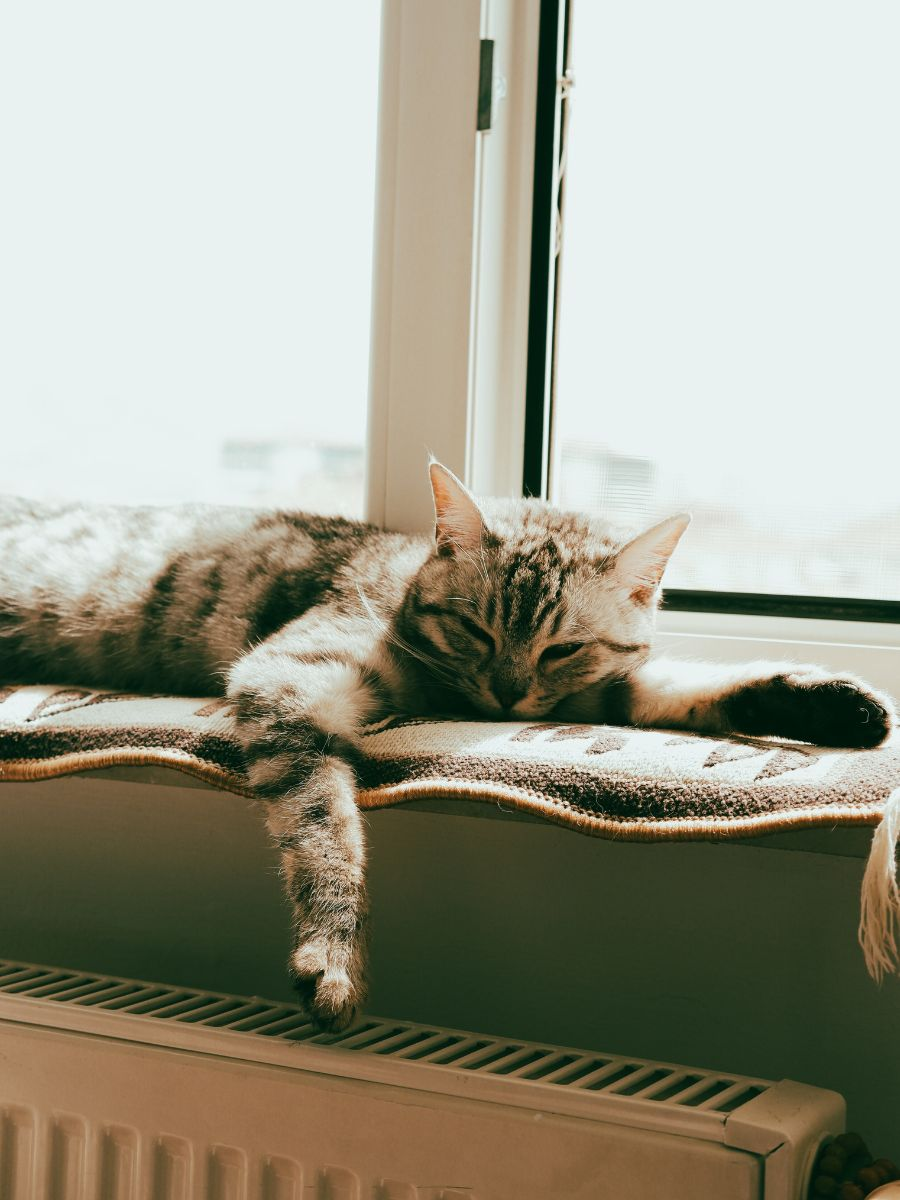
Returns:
(485, 84)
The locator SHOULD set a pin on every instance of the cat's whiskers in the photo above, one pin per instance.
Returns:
(485, 570)
(391, 636)
(479, 562)
(431, 663)
(378, 621)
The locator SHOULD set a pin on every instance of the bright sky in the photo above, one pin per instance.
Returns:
(731, 270)
(185, 232)
(186, 227)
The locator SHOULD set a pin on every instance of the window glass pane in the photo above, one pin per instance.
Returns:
(185, 249)
(730, 287)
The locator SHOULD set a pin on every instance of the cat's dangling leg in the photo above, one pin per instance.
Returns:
(318, 831)
(805, 703)
(298, 722)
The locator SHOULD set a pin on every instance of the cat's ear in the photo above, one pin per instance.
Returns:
(641, 563)
(458, 523)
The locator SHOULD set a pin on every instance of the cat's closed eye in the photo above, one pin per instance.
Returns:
(561, 650)
(478, 632)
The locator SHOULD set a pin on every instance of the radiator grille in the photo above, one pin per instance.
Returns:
(451, 1050)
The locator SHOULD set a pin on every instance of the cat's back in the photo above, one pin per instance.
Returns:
(161, 597)
(53, 553)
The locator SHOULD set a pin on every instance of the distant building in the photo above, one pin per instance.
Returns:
(322, 477)
(593, 479)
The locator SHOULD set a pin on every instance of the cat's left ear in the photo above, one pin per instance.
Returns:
(640, 565)
(458, 523)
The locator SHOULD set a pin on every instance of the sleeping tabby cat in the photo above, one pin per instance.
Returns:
(316, 625)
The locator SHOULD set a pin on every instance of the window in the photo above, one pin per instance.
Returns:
(185, 250)
(729, 298)
(566, 346)
(461, 330)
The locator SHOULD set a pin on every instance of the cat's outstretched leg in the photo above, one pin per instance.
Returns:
(298, 722)
(804, 703)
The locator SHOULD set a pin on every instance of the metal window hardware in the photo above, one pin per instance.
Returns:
(485, 84)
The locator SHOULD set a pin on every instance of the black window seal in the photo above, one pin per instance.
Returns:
(553, 42)
(765, 604)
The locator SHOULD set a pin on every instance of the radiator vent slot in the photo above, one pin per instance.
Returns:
(450, 1050)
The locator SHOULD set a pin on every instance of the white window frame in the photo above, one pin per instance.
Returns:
(452, 255)
(451, 280)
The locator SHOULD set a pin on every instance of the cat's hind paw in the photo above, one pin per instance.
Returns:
(810, 705)
(329, 981)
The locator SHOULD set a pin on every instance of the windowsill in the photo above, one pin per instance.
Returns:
(867, 649)
(810, 630)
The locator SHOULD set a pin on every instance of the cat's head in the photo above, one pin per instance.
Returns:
(522, 605)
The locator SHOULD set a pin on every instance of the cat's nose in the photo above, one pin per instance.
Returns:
(508, 691)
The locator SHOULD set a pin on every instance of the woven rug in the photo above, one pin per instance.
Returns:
(636, 784)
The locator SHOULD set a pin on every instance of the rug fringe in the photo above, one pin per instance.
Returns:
(879, 908)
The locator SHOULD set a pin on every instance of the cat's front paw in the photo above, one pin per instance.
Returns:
(807, 704)
(330, 979)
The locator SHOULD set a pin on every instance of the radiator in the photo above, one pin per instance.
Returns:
(114, 1089)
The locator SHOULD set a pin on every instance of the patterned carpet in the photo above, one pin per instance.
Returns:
(637, 784)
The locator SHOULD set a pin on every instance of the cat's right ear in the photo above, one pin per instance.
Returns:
(458, 523)
(640, 564)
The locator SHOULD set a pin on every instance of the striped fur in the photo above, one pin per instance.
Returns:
(314, 626)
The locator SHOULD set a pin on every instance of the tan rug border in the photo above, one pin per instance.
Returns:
(558, 812)
(524, 800)
(22, 770)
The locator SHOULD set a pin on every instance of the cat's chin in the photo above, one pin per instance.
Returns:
(528, 712)
(519, 712)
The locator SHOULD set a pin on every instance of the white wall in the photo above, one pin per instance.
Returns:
(734, 957)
